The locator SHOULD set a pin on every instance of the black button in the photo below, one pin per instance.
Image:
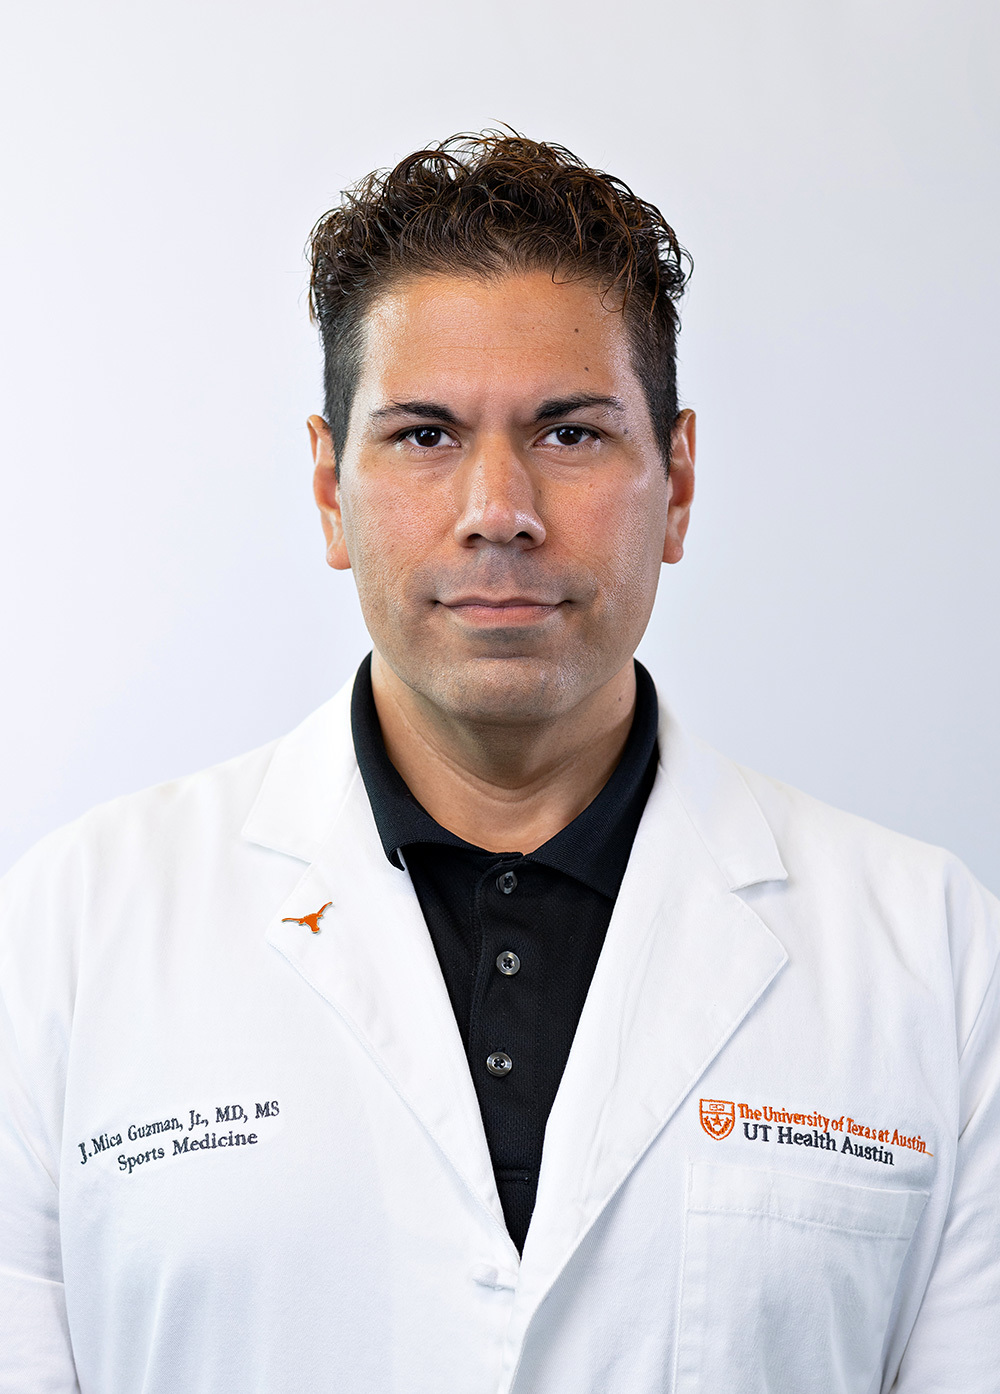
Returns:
(506, 882)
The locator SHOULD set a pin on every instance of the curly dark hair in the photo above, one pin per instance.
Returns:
(490, 205)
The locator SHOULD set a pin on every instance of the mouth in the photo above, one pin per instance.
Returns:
(497, 612)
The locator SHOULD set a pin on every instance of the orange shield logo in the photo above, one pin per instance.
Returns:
(718, 1117)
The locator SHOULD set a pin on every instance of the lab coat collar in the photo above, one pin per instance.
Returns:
(685, 962)
(308, 777)
(313, 767)
(722, 810)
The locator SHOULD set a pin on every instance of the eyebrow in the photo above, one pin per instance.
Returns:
(426, 411)
(566, 406)
(549, 410)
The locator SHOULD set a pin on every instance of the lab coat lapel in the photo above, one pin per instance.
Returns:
(371, 957)
(684, 963)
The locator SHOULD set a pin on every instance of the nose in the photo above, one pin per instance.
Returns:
(498, 500)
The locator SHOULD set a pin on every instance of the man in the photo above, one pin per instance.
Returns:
(488, 1032)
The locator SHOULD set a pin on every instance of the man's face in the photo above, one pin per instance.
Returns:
(502, 500)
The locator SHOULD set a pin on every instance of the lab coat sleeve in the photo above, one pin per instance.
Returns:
(35, 1352)
(953, 1345)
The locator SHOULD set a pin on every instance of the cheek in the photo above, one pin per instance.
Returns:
(619, 534)
(389, 532)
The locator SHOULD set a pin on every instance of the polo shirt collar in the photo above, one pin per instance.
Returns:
(593, 849)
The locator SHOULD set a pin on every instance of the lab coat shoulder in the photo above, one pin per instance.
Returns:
(921, 899)
(136, 838)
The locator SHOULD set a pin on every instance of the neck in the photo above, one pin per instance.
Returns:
(507, 789)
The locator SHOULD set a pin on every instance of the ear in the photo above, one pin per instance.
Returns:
(680, 486)
(326, 490)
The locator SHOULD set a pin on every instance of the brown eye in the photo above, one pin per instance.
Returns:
(570, 435)
(427, 436)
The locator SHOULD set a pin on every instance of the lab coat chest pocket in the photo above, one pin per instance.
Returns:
(788, 1281)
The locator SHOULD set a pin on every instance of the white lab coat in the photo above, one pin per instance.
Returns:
(768, 957)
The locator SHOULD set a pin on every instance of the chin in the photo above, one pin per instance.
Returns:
(503, 691)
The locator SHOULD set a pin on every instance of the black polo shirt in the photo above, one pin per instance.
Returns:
(517, 937)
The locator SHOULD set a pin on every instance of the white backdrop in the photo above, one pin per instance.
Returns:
(833, 169)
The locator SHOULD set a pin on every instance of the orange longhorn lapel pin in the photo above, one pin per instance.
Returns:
(311, 920)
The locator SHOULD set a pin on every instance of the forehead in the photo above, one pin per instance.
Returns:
(523, 333)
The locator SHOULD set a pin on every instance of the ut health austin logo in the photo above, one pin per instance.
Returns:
(718, 1117)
